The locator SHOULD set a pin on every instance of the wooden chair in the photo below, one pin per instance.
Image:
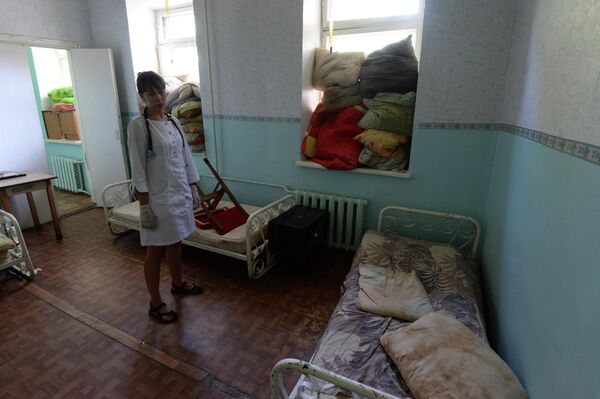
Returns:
(222, 220)
(18, 257)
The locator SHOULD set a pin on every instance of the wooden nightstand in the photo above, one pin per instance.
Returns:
(293, 234)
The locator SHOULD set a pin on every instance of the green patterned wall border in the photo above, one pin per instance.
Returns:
(246, 118)
(585, 151)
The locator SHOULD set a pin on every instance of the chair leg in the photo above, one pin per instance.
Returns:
(28, 264)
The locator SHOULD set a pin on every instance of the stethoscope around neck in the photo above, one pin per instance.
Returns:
(150, 153)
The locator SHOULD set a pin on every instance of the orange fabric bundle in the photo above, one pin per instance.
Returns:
(330, 137)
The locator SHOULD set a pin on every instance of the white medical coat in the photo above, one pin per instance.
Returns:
(166, 177)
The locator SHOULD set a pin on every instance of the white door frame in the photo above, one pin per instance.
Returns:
(30, 41)
(101, 138)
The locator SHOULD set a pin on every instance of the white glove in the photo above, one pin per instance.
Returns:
(195, 197)
(147, 217)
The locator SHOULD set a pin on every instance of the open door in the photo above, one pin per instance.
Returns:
(99, 115)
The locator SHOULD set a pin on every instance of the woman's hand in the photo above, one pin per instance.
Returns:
(195, 196)
(147, 217)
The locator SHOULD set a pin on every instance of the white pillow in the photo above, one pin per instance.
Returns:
(388, 292)
(439, 357)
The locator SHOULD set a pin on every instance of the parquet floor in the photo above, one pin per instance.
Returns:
(68, 203)
(82, 328)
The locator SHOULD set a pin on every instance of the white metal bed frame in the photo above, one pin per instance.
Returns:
(19, 256)
(258, 257)
(461, 231)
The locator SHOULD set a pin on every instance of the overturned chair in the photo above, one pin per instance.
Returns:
(13, 250)
(247, 242)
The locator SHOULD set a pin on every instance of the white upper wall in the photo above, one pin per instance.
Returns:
(259, 60)
(66, 20)
(553, 79)
(464, 53)
(256, 53)
(109, 29)
(143, 37)
(311, 39)
(22, 145)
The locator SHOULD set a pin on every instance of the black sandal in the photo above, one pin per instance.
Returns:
(163, 317)
(184, 289)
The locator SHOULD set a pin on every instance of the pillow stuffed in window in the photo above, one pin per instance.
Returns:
(336, 69)
(391, 112)
(398, 161)
(394, 69)
(381, 143)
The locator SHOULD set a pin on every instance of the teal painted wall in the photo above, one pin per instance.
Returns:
(541, 270)
(450, 168)
(73, 151)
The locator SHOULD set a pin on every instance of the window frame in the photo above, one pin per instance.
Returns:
(163, 44)
(160, 27)
(372, 25)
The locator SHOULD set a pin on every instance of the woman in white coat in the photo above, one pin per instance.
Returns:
(164, 177)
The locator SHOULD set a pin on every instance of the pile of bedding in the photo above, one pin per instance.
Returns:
(384, 84)
(388, 123)
(184, 103)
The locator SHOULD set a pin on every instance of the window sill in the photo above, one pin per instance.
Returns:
(73, 142)
(365, 171)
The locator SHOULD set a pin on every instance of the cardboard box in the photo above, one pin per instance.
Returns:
(53, 129)
(69, 125)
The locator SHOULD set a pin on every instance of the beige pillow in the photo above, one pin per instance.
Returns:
(439, 357)
(381, 143)
(388, 292)
(5, 245)
(336, 69)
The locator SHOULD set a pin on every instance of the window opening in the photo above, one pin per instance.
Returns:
(366, 114)
(164, 40)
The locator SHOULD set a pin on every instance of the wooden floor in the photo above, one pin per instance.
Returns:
(68, 203)
(81, 329)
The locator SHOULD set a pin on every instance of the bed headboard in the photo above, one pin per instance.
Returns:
(461, 231)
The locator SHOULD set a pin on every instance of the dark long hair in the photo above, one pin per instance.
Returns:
(150, 81)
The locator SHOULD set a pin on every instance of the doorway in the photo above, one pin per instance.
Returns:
(53, 90)
(89, 119)
(86, 138)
